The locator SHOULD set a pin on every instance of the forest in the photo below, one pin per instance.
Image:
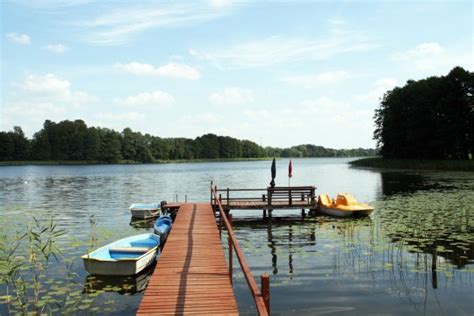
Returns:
(432, 118)
(75, 141)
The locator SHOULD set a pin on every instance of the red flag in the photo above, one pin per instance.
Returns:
(290, 169)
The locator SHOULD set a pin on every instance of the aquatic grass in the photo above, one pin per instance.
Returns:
(30, 284)
(40, 239)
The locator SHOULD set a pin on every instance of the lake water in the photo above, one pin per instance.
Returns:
(413, 255)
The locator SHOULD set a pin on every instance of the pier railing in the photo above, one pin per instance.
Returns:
(261, 297)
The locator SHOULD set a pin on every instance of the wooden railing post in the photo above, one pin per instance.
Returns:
(228, 205)
(265, 278)
(211, 190)
(290, 197)
(231, 263)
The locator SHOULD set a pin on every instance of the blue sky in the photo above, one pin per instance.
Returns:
(277, 73)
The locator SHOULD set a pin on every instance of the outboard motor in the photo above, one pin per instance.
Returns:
(162, 205)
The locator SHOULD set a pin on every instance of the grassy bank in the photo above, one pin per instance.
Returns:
(121, 162)
(414, 164)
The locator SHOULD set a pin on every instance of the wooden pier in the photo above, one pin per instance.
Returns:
(192, 274)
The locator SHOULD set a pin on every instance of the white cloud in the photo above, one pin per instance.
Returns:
(22, 39)
(257, 115)
(34, 110)
(311, 81)
(348, 124)
(283, 49)
(53, 88)
(173, 70)
(42, 97)
(230, 96)
(116, 26)
(323, 104)
(220, 3)
(337, 22)
(432, 58)
(48, 83)
(56, 48)
(202, 120)
(378, 89)
(117, 117)
(31, 114)
(422, 50)
(156, 98)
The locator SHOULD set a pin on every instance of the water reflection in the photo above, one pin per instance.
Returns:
(124, 285)
(362, 255)
(414, 255)
(142, 223)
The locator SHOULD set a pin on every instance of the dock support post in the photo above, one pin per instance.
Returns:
(265, 278)
(231, 263)
(264, 213)
(270, 213)
(303, 214)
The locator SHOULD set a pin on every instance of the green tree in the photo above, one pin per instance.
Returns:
(429, 118)
(110, 147)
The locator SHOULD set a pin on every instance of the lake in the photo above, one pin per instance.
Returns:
(413, 255)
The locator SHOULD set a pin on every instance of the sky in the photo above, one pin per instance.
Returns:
(279, 73)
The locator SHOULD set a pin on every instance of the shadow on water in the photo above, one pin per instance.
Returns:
(124, 285)
(407, 183)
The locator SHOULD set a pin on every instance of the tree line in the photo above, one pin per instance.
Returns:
(75, 141)
(432, 118)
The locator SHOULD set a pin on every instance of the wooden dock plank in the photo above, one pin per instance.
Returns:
(191, 276)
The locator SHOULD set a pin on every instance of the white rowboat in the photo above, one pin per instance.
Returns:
(127, 256)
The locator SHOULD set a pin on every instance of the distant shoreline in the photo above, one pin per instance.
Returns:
(129, 162)
(414, 164)
(121, 162)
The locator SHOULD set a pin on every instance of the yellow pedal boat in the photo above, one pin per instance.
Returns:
(343, 206)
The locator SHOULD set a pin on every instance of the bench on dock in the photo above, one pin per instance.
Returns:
(302, 197)
(291, 194)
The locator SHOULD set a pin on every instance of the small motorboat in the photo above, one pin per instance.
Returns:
(343, 206)
(145, 210)
(127, 256)
(162, 226)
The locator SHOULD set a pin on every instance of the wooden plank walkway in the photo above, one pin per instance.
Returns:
(192, 275)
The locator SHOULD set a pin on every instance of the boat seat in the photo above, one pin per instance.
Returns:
(130, 249)
(324, 200)
(345, 199)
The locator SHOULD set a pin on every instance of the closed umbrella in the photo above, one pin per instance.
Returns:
(290, 172)
(274, 171)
